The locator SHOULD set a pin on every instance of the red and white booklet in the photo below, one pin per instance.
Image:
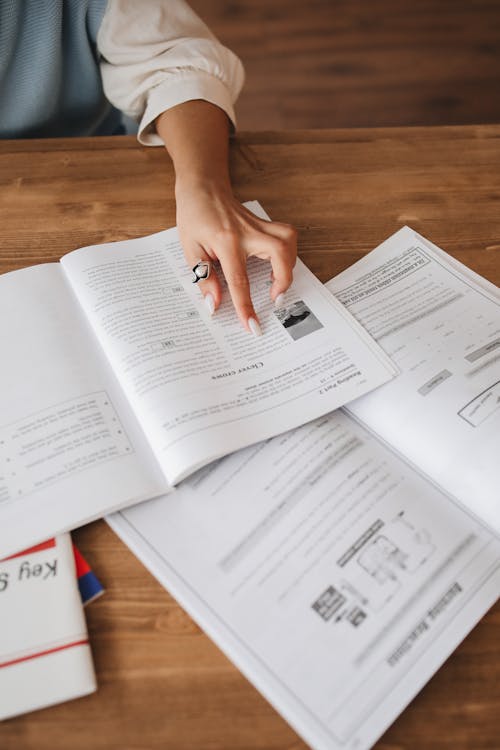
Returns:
(45, 656)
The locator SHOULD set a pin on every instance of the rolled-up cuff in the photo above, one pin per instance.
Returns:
(187, 86)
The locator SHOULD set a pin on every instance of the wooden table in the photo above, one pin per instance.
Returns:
(162, 683)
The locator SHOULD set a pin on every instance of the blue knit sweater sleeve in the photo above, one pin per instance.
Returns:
(50, 81)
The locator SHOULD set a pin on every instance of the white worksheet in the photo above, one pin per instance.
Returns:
(334, 576)
(339, 564)
(440, 322)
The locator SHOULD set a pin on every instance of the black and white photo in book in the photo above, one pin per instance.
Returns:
(298, 319)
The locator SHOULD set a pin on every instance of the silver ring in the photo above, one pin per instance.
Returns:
(201, 270)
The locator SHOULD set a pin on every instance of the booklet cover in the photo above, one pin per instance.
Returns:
(45, 656)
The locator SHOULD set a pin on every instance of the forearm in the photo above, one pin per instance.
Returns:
(196, 135)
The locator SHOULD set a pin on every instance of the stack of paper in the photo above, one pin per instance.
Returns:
(339, 564)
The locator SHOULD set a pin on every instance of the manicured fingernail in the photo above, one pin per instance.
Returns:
(210, 303)
(279, 300)
(254, 327)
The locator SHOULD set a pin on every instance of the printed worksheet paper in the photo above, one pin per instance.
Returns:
(338, 565)
(334, 576)
(440, 322)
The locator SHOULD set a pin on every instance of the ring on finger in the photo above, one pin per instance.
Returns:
(201, 270)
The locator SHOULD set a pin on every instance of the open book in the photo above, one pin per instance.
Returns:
(115, 384)
(338, 565)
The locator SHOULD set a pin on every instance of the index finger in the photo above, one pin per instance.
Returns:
(233, 265)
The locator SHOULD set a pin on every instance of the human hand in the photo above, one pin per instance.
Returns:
(214, 226)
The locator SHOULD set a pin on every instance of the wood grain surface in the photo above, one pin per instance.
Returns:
(362, 63)
(162, 683)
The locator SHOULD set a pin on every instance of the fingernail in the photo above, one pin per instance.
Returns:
(210, 303)
(279, 300)
(254, 327)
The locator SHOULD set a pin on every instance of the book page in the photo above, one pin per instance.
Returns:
(45, 655)
(440, 323)
(205, 387)
(333, 575)
(70, 448)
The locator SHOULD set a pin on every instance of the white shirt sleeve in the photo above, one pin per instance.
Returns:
(158, 53)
